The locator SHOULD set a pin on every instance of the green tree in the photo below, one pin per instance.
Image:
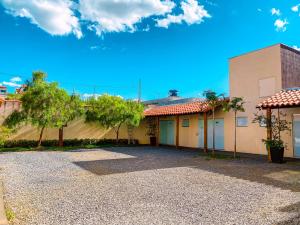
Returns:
(5, 132)
(111, 112)
(67, 109)
(41, 105)
(236, 104)
(214, 100)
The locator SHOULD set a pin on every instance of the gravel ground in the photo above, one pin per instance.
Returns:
(147, 185)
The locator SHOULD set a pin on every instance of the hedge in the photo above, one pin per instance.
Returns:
(67, 143)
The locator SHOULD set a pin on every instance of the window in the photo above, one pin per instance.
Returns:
(242, 121)
(185, 123)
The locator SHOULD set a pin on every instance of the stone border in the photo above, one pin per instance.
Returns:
(3, 219)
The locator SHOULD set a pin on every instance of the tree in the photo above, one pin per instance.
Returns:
(213, 100)
(67, 109)
(236, 104)
(5, 132)
(112, 112)
(277, 125)
(41, 103)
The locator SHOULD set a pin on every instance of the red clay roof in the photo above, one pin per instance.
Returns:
(180, 109)
(283, 99)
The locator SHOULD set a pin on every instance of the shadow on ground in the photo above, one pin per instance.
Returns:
(251, 168)
(294, 208)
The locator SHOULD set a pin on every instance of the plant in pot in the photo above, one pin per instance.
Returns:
(275, 145)
(151, 130)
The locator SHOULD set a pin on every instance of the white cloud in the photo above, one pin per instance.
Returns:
(259, 10)
(122, 15)
(11, 84)
(94, 47)
(16, 79)
(64, 17)
(53, 16)
(295, 8)
(275, 12)
(193, 13)
(296, 47)
(88, 95)
(281, 25)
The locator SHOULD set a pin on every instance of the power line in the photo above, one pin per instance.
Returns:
(73, 83)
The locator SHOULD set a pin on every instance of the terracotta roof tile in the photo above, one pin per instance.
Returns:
(179, 109)
(286, 98)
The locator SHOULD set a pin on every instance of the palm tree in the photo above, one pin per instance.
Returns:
(236, 104)
(213, 100)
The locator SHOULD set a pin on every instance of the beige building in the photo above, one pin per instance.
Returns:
(255, 76)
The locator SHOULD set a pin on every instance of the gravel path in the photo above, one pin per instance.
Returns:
(145, 186)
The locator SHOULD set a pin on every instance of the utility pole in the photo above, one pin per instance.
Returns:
(140, 90)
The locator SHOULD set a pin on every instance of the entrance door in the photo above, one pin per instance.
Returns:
(201, 134)
(296, 131)
(219, 134)
(167, 128)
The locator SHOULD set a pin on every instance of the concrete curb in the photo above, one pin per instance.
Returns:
(3, 219)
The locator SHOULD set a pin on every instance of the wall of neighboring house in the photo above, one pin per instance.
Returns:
(76, 129)
(81, 130)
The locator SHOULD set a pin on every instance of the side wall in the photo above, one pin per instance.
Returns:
(290, 67)
(77, 129)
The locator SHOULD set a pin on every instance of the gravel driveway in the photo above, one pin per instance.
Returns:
(145, 185)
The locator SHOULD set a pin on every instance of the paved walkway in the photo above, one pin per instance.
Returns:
(145, 185)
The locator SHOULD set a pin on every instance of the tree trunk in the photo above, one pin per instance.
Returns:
(213, 149)
(234, 154)
(41, 136)
(61, 137)
(117, 132)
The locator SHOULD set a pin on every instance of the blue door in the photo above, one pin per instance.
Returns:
(296, 131)
(219, 134)
(167, 133)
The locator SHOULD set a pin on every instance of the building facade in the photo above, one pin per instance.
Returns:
(255, 76)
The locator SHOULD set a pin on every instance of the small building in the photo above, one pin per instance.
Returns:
(260, 76)
(3, 92)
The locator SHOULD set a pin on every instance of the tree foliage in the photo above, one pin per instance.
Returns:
(111, 112)
(236, 104)
(44, 105)
(213, 100)
(5, 132)
(277, 124)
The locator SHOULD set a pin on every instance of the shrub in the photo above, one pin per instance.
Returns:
(67, 143)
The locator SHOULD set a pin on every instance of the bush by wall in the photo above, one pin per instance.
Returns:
(67, 143)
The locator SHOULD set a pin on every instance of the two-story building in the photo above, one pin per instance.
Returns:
(256, 76)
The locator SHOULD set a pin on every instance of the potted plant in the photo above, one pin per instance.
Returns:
(275, 144)
(151, 130)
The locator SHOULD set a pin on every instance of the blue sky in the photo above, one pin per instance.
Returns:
(106, 47)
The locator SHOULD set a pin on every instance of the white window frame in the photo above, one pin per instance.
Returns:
(183, 123)
(242, 125)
